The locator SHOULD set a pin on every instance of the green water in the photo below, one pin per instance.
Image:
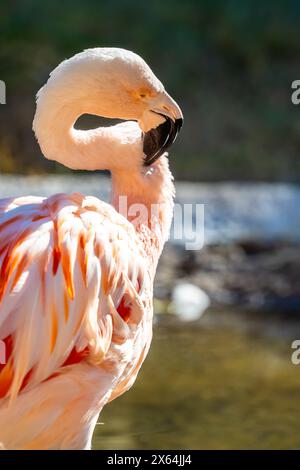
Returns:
(208, 388)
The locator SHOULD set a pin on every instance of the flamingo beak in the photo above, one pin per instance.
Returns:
(158, 140)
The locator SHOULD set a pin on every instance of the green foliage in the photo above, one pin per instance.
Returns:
(229, 63)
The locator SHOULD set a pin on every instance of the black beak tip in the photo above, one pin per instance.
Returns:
(179, 123)
(157, 141)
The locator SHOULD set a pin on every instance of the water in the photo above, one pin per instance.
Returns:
(208, 388)
(233, 211)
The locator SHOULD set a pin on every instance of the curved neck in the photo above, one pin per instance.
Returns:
(143, 195)
(95, 149)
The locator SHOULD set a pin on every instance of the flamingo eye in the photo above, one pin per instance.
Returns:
(142, 95)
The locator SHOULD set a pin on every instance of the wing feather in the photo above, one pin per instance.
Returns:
(69, 266)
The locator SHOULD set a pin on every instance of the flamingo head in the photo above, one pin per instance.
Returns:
(117, 83)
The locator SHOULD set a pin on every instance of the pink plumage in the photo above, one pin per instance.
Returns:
(76, 276)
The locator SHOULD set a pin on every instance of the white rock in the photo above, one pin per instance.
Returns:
(189, 302)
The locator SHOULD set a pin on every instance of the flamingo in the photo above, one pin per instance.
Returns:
(76, 273)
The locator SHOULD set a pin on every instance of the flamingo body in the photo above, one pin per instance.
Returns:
(76, 299)
(76, 274)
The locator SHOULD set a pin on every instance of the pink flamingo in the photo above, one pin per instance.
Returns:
(76, 275)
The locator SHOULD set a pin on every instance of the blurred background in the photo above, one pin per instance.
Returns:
(219, 374)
